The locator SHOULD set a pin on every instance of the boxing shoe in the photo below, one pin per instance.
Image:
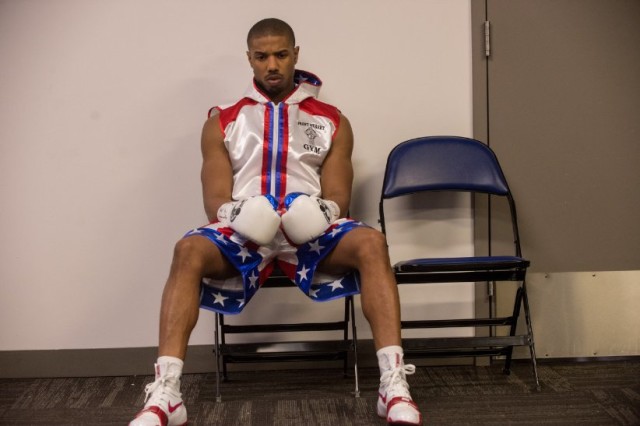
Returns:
(163, 401)
(394, 400)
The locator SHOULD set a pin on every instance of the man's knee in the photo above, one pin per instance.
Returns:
(374, 237)
(188, 246)
(191, 253)
(197, 254)
(372, 245)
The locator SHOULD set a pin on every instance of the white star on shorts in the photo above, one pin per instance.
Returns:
(315, 246)
(252, 279)
(219, 298)
(303, 273)
(336, 284)
(244, 253)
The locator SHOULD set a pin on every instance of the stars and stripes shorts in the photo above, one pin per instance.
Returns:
(255, 263)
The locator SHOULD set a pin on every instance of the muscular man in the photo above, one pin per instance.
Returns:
(276, 178)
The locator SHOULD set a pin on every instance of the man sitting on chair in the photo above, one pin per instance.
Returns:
(277, 179)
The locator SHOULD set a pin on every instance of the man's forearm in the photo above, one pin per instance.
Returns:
(341, 200)
(211, 206)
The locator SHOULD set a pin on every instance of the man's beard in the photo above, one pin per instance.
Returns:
(274, 92)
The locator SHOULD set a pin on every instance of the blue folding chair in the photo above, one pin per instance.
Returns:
(450, 163)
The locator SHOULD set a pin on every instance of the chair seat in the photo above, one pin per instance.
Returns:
(476, 263)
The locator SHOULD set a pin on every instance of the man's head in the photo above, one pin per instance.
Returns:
(272, 54)
(271, 26)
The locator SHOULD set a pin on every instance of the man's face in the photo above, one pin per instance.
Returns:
(273, 59)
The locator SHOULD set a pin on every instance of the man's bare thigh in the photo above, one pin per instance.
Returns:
(342, 260)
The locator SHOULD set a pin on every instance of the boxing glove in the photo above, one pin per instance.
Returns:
(255, 218)
(307, 217)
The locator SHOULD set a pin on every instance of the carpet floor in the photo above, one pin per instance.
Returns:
(572, 393)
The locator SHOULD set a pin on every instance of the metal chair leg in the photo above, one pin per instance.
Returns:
(532, 347)
(512, 330)
(217, 349)
(355, 346)
(345, 336)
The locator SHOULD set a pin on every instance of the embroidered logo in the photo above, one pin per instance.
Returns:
(235, 211)
(173, 408)
(311, 134)
(324, 209)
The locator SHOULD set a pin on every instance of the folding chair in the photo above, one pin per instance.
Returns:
(316, 350)
(449, 163)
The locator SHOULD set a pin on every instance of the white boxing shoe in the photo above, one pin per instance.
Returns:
(164, 405)
(394, 400)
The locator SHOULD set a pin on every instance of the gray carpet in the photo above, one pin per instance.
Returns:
(592, 393)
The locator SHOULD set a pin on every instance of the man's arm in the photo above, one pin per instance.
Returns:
(336, 176)
(217, 174)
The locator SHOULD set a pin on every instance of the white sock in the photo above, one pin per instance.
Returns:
(389, 357)
(170, 360)
(169, 365)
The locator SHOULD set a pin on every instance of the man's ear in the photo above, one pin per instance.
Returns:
(295, 54)
(249, 56)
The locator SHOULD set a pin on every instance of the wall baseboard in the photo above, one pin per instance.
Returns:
(139, 361)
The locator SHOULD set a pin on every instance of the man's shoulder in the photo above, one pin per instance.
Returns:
(314, 106)
(229, 112)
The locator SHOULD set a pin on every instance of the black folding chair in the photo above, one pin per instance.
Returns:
(266, 351)
(450, 163)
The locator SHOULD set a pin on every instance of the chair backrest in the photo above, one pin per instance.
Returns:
(439, 163)
(445, 163)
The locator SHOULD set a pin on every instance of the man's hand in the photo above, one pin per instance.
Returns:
(307, 217)
(255, 218)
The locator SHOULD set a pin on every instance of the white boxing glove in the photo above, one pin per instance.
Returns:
(307, 216)
(255, 218)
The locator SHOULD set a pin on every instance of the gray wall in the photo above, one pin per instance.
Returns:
(564, 102)
(558, 101)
